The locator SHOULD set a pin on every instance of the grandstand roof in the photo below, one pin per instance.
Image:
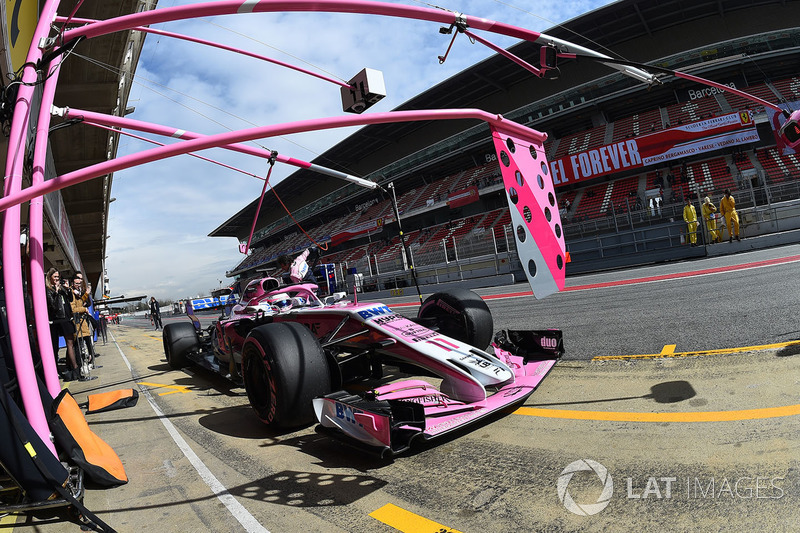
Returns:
(638, 31)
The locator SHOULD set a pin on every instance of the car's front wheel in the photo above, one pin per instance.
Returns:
(284, 368)
(460, 314)
(180, 339)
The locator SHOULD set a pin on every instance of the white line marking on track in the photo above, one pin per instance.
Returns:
(236, 509)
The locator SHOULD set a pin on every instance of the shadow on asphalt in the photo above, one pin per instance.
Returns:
(789, 351)
(667, 392)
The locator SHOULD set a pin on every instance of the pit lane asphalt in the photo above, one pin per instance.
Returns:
(689, 443)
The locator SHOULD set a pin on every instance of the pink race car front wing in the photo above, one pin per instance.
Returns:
(389, 418)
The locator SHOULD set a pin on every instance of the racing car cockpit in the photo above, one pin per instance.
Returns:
(269, 295)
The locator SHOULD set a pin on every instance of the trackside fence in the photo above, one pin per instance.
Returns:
(625, 237)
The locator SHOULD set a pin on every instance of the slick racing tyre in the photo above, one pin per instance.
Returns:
(284, 368)
(180, 339)
(460, 314)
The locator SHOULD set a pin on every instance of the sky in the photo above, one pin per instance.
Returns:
(158, 225)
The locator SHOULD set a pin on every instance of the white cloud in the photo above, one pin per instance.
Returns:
(165, 210)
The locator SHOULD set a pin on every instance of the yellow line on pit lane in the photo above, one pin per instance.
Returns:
(406, 521)
(669, 351)
(183, 389)
(707, 416)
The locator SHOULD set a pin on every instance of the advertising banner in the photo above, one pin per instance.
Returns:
(354, 231)
(463, 197)
(673, 143)
(209, 303)
(20, 19)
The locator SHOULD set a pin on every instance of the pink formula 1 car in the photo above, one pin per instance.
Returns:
(297, 355)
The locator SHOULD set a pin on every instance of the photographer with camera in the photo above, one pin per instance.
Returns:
(80, 313)
(59, 310)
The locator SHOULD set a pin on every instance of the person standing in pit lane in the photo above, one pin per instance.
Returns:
(155, 313)
(80, 312)
(727, 206)
(297, 269)
(709, 211)
(690, 217)
(59, 311)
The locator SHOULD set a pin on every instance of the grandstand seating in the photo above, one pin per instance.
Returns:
(490, 218)
(742, 162)
(686, 112)
(376, 211)
(442, 232)
(392, 250)
(389, 252)
(761, 91)
(652, 176)
(617, 193)
(638, 124)
(562, 198)
(578, 142)
(589, 204)
(470, 177)
(466, 227)
(343, 223)
(708, 177)
(461, 180)
(789, 88)
(436, 191)
(503, 220)
(408, 197)
(711, 176)
(777, 166)
(355, 254)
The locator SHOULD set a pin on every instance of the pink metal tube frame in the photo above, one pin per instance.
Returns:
(14, 195)
(149, 127)
(12, 264)
(230, 7)
(41, 316)
(157, 143)
(243, 248)
(223, 139)
(505, 53)
(217, 45)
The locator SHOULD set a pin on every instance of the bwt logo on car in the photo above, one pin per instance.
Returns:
(366, 314)
(347, 413)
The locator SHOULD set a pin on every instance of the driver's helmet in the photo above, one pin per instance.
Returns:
(281, 301)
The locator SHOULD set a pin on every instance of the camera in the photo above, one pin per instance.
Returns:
(366, 89)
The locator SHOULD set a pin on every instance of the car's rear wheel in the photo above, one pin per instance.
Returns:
(460, 314)
(284, 368)
(180, 339)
